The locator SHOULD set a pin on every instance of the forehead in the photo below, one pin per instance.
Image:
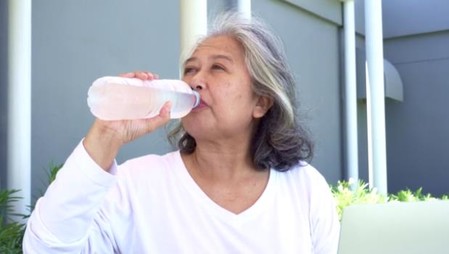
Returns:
(223, 45)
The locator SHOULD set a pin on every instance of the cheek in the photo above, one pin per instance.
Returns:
(237, 91)
(232, 100)
(234, 97)
(240, 108)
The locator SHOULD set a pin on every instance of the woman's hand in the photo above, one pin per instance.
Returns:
(104, 139)
(130, 130)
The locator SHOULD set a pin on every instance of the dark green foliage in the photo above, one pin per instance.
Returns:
(11, 226)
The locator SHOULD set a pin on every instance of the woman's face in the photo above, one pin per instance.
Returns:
(229, 107)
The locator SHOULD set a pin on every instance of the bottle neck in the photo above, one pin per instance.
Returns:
(197, 98)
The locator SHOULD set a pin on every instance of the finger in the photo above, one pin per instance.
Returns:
(144, 75)
(159, 120)
(155, 76)
(164, 114)
(165, 110)
(141, 75)
(128, 75)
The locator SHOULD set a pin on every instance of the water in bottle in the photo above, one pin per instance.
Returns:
(118, 98)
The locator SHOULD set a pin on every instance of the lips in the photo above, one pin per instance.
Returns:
(201, 105)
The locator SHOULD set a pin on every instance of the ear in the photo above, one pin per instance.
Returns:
(262, 106)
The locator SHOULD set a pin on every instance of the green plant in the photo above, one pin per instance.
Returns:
(352, 192)
(11, 229)
(408, 195)
(53, 170)
(355, 192)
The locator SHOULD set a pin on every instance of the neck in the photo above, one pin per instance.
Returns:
(222, 164)
(227, 176)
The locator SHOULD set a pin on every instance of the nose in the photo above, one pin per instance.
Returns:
(198, 83)
(198, 86)
(197, 80)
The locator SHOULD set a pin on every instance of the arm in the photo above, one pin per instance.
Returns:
(61, 220)
(64, 217)
(105, 138)
(324, 218)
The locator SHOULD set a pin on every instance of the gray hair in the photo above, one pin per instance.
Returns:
(279, 141)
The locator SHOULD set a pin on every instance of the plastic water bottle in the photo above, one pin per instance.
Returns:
(118, 98)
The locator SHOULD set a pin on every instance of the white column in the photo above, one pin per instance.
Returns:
(352, 159)
(193, 17)
(244, 6)
(19, 101)
(375, 96)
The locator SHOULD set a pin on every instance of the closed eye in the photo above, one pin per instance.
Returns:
(218, 67)
(189, 70)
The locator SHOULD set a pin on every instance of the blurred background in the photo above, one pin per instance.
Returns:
(75, 42)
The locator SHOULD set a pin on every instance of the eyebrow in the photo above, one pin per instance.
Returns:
(213, 57)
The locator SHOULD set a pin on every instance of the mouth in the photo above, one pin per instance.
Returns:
(201, 105)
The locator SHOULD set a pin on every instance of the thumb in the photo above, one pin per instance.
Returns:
(161, 119)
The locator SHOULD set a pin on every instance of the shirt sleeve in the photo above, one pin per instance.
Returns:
(63, 220)
(325, 225)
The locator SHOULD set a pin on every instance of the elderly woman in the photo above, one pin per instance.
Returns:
(239, 182)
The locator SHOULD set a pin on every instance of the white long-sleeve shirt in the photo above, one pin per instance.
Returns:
(152, 205)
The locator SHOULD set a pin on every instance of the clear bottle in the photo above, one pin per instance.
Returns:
(119, 98)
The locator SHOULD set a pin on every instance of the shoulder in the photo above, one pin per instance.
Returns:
(303, 174)
(151, 161)
(321, 207)
(305, 182)
(146, 176)
(151, 165)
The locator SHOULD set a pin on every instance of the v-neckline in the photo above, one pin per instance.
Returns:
(204, 200)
